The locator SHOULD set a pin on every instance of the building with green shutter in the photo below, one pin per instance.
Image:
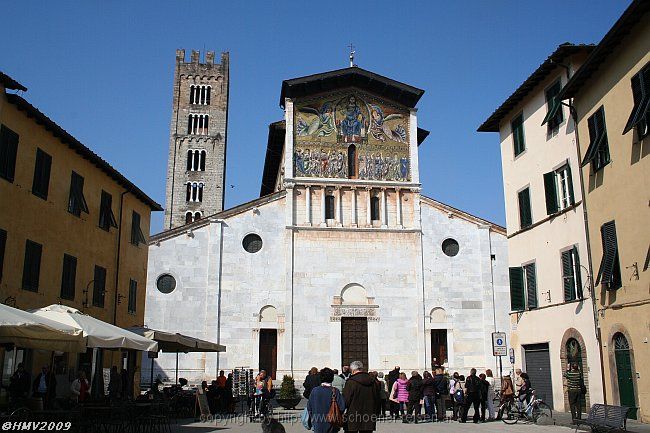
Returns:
(552, 311)
(611, 98)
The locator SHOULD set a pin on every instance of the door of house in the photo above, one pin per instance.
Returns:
(538, 367)
(438, 347)
(269, 351)
(354, 340)
(624, 373)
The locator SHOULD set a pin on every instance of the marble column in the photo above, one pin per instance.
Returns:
(384, 209)
(368, 204)
(323, 220)
(398, 201)
(339, 205)
(308, 205)
(354, 207)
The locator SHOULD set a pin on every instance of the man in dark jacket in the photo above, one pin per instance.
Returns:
(362, 400)
(44, 386)
(429, 395)
(484, 394)
(414, 387)
(472, 395)
(442, 393)
(393, 375)
(19, 384)
(311, 381)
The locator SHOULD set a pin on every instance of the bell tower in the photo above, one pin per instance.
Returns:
(197, 139)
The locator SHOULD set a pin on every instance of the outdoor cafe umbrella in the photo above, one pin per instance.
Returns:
(24, 329)
(170, 342)
(98, 334)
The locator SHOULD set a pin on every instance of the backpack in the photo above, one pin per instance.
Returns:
(334, 415)
(459, 396)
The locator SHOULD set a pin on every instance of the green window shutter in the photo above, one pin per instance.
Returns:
(577, 272)
(531, 286)
(609, 271)
(41, 182)
(550, 188)
(517, 126)
(641, 98)
(517, 301)
(3, 245)
(8, 153)
(554, 115)
(99, 286)
(568, 278)
(68, 277)
(572, 199)
(32, 265)
(525, 216)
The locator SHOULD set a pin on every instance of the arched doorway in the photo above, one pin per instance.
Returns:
(574, 355)
(624, 372)
(268, 346)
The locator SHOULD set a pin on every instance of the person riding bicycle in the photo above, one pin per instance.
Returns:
(525, 391)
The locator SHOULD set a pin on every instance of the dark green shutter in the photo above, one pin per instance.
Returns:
(517, 127)
(517, 300)
(42, 167)
(68, 277)
(578, 273)
(607, 274)
(531, 285)
(572, 199)
(32, 265)
(640, 97)
(99, 286)
(568, 279)
(550, 188)
(3, 245)
(8, 153)
(525, 217)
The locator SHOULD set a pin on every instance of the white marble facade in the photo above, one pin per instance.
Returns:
(312, 271)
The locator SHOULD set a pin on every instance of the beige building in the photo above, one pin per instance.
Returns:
(73, 230)
(610, 95)
(552, 314)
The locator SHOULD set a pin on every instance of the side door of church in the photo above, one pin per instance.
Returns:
(269, 351)
(354, 340)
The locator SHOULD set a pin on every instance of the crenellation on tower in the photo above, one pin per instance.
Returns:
(198, 134)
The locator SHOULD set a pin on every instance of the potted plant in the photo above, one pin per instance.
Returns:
(288, 396)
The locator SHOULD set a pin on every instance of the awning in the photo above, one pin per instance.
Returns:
(174, 342)
(98, 333)
(24, 329)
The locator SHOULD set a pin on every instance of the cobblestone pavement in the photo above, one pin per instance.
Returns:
(293, 425)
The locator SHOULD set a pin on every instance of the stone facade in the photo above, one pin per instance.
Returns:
(334, 250)
(191, 99)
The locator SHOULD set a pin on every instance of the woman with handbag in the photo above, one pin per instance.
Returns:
(326, 405)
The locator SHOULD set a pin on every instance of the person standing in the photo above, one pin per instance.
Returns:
(429, 395)
(338, 382)
(114, 384)
(44, 386)
(414, 387)
(320, 400)
(518, 380)
(455, 388)
(400, 394)
(383, 393)
(574, 384)
(441, 384)
(311, 381)
(484, 386)
(362, 400)
(345, 372)
(19, 383)
(80, 388)
(393, 407)
(489, 378)
(472, 396)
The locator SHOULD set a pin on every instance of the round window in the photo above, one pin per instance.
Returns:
(450, 247)
(166, 283)
(252, 243)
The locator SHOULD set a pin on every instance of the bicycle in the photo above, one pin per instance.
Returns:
(535, 411)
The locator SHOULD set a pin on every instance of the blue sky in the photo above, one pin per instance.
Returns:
(103, 70)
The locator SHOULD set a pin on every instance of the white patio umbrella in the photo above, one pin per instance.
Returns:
(24, 329)
(97, 333)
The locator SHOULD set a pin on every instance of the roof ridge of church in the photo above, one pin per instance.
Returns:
(464, 215)
(170, 233)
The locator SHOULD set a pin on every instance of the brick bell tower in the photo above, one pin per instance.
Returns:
(197, 139)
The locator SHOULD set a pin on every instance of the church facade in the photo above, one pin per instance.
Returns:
(341, 258)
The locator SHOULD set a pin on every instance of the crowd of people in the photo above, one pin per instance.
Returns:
(364, 396)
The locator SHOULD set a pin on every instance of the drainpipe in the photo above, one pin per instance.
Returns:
(117, 260)
(574, 117)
